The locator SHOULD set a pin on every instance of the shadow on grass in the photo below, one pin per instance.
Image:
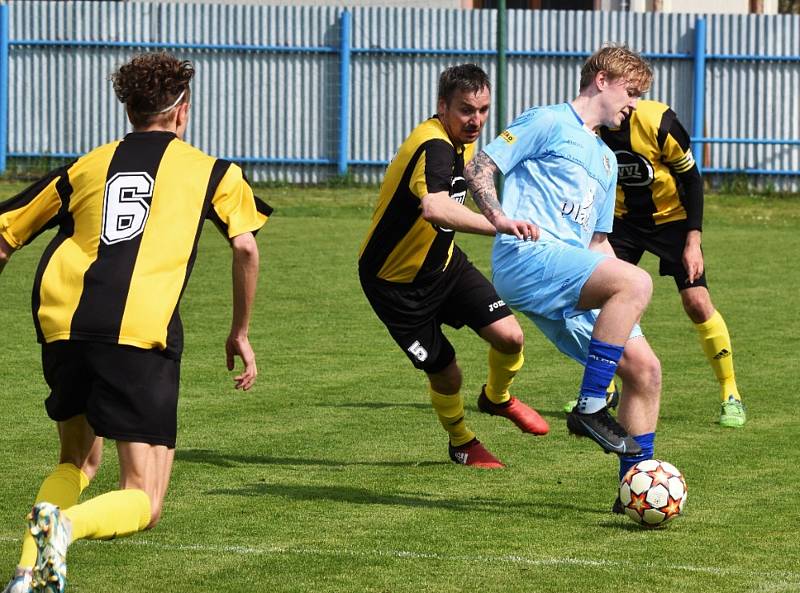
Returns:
(232, 460)
(352, 495)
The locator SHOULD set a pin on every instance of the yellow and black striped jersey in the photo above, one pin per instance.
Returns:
(658, 179)
(129, 215)
(401, 246)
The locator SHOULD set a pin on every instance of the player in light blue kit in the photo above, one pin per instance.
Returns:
(562, 177)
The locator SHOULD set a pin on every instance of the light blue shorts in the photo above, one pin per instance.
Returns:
(542, 277)
(571, 336)
(544, 280)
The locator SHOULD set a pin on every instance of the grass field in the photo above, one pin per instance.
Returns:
(332, 474)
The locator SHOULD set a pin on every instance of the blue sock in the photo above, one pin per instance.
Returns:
(601, 364)
(647, 443)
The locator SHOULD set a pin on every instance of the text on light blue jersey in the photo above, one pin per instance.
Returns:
(559, 175)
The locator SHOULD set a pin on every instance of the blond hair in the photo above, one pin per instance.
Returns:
(617, 61)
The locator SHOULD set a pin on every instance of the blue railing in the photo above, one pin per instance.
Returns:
(345, 51)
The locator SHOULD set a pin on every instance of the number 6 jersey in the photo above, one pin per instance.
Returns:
(129, 215)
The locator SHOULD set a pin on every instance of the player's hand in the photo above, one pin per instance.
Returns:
(240, 346)
(521, 229)
(693, 262)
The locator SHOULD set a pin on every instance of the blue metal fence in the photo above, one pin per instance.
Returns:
(344, 51)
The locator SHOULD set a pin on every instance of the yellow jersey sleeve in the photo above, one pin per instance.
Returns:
(31, 211)
(236, 208)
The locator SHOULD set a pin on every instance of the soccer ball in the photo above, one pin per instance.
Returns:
(652, 493)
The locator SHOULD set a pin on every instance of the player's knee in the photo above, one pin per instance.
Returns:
(698, 307)
(639, 288)
(510, 341)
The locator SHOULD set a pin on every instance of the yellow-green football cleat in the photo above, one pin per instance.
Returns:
(732, 413)
(51, 533)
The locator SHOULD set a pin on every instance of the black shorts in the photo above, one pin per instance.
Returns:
(665, 241)
(414, 313)
(128, 394)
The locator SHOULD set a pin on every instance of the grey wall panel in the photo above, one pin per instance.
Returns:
(255, 104)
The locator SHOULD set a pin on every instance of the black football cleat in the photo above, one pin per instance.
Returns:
(603, 430)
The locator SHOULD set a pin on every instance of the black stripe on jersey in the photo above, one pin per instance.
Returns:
(107, 281)
(402, 213)
(670, 125)
(217, 173)
(66, 229)
(441, 244)
(398, 218)
(261, 206)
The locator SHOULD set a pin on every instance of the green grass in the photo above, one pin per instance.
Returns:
(331, 475)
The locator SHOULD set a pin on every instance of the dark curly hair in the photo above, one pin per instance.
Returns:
(150, 83)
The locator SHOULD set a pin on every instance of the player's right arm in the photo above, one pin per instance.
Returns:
(440, 209)
(479, 173)
(5, 253)
(24, 216)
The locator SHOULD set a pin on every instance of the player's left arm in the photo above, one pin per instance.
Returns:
(677, 155)
(239, 214)
(245, 277)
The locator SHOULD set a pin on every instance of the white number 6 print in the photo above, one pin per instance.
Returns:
(124, 207)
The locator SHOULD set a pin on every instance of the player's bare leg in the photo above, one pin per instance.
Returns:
(622, 292)
(640, 371)
(505, 360)
(144, 476)
(147, 468)
(716, 343)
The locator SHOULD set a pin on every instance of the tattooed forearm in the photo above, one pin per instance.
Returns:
(479, 174)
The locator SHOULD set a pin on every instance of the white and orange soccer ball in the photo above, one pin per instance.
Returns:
(652, 493)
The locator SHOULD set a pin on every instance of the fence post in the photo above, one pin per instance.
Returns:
(699, 88)
(344, 91)
(3, 85)
(502, 79)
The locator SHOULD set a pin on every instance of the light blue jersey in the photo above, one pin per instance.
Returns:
(559, 175)
(562, 177)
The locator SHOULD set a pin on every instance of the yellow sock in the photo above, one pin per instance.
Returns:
(450, 409)
(716, 344)
(113, 514)
(62, 488)
(502, 370)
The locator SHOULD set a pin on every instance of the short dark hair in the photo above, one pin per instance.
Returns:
(465, 78)
(150, 83)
